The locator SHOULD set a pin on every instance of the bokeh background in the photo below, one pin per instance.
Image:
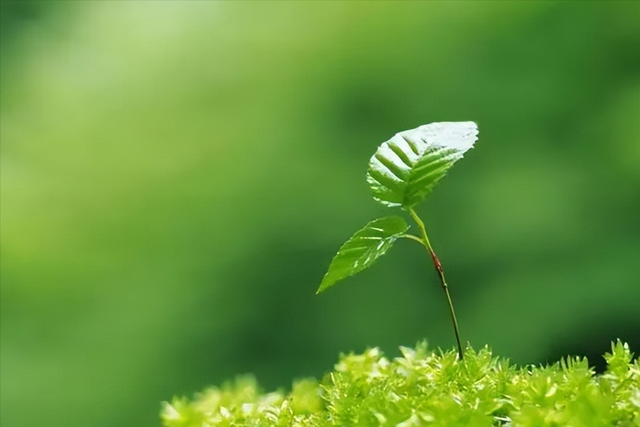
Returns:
(176, 177)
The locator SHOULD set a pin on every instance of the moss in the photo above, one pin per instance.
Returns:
(429, 388)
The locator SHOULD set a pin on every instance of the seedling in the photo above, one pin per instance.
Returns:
(402, 173)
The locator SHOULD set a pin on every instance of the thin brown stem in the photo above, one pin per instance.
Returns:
(440, 271)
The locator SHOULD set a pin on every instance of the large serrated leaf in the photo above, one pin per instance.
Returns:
(363, 248)
(404, 170)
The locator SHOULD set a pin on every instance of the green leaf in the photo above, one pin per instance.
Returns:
(363, 248)
(404, 170)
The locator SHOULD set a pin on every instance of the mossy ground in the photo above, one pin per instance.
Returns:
(429, 388)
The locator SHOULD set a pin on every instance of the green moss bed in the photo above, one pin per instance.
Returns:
(429, 388)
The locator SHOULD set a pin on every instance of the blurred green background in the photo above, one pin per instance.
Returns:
(176, 177)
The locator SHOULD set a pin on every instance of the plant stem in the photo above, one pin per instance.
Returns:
(412, 237)
(440, 271)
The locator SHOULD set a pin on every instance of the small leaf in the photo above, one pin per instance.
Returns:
(363, 248)
(404, 170)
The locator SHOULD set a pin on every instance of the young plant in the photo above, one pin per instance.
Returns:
(402, 173)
